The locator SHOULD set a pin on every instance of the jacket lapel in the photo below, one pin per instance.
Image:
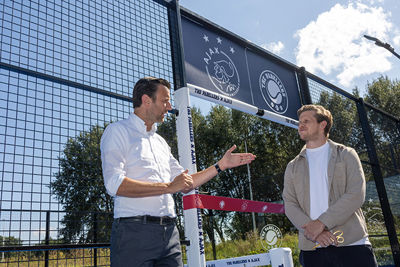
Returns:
(306, 181)
(331, 164)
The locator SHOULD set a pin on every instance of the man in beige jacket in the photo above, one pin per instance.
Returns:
(324, 190)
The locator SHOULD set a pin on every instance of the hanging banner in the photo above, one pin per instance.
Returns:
(221, 65)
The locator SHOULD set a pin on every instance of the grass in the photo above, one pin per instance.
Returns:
(228, 249)
(249, 246)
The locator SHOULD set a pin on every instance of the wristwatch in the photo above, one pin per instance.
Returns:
(217, 168)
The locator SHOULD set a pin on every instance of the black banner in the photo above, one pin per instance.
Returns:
(221, 65)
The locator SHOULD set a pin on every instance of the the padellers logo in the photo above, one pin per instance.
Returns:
(271, 236)
(273, 91)
(221, 69)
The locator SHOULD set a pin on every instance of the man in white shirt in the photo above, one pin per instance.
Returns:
(141, 174)
(324, 189)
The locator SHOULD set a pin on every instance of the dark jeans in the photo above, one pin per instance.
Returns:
(348, 256)
(147, 244)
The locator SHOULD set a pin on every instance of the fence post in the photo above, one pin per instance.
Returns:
(380, 185)
(47, 239)
(304, 88)
(281, 257)
(95, 228)
(176, 39)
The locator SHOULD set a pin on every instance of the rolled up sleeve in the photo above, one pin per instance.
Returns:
(176, 168)
(112, 158)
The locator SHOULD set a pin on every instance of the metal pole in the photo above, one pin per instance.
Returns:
(303, 85)
(382, 44)
(95, 229)
(2, 254)
(378, 177)
(251, 190)
(187, 157)
(177, 53)
(47, 239)
(211, 214)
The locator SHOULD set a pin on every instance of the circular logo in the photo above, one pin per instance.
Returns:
(222, 71)
(273, 91)
(271, 236)
(222, 204)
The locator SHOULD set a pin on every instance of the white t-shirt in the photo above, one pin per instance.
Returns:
(318, 169)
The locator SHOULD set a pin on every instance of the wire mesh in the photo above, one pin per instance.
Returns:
(347, 130)
(107, 45)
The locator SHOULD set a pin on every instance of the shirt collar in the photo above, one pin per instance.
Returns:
(329, 141)
(140, 125)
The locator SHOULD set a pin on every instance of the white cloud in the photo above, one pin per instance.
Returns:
(334, 45)
(396, 41)
(274, 47)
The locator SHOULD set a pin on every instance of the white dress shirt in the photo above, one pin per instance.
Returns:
(128, 150)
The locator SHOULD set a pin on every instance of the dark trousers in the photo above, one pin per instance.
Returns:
(147, 244)
(348, 256)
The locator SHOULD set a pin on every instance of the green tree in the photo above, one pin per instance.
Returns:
(274, 146)
(345, 128)
(8, 241)
(385, 94)
(79, 187)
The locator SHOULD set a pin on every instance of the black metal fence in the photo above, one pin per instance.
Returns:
(68, 65)
(64, 67)
(374, 134)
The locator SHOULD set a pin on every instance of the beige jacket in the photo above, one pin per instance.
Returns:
(346, 195)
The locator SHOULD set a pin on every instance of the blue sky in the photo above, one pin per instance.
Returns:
(326, 37)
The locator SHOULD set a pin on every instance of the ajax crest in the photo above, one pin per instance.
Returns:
(220, 68)
(273, 91)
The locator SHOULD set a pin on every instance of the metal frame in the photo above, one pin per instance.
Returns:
(177, 52)
(302, 75)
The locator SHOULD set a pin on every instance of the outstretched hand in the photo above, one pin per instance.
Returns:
(231, 160)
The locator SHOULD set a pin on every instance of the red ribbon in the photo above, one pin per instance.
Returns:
(229, 204)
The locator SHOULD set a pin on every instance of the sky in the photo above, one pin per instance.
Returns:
(326, 37)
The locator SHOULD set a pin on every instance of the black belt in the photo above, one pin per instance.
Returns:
(148, 219)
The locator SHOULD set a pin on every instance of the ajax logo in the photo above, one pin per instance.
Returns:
(273, 92)
(221, 69)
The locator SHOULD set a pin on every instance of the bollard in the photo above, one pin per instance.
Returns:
(281, 257)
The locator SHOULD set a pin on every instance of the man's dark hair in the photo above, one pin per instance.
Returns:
(147, 86)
